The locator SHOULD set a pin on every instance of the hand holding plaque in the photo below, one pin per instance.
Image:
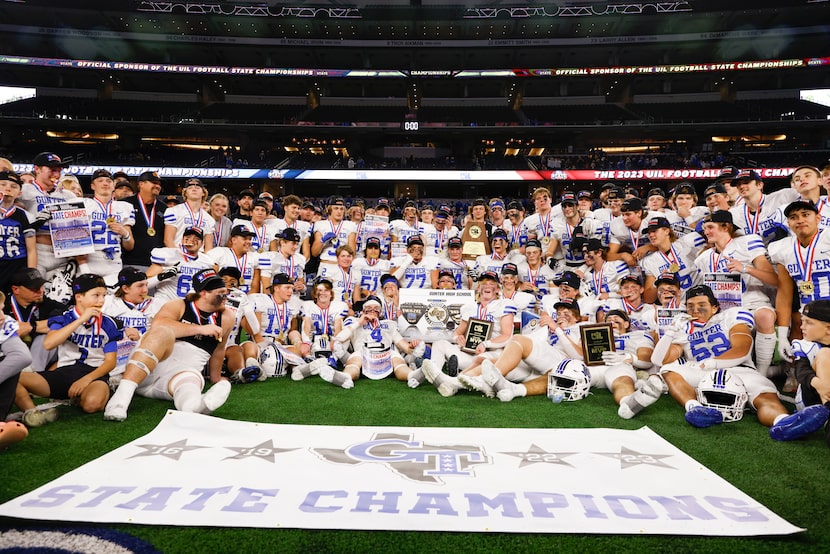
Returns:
(478, 331)
(596, 339)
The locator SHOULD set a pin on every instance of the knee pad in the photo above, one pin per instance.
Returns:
(185, 378)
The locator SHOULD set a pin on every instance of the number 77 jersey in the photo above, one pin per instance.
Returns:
(711, 339)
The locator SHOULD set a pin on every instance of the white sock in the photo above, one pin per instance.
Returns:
(123, 395)
(764, 351)
(187, 398)
(692, 404)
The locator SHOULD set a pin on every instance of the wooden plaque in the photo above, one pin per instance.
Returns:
(474, 240)
(596, 339)
(478, 331)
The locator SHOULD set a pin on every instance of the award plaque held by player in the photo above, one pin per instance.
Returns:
(478, 331)
(596, 339)
(475, 241)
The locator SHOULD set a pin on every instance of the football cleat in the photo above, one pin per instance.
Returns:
(247, 374)
(703, 417)
(800, 424)
(476, 383)
(452, 366)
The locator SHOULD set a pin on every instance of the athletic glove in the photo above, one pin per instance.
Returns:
(168, 273)
(614, 358)
(328, 237)
(41, 219)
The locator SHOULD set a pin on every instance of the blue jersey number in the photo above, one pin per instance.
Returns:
(709, 346)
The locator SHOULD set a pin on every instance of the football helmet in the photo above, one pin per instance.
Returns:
(571, 379)
(272, 361)
(724, 391)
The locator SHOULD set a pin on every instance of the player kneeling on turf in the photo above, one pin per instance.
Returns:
(723, 340)
(167, 363)
(87, 343)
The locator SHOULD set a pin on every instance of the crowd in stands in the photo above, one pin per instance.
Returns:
(111, 290)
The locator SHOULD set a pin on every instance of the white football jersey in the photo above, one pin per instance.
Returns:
(417, 276)
(607, 278)
(493, 311)
(764, 222)
(182, 217)
(246, 264)
(103, 239)
(178, 286)
(322, 321)
(342, 230)
(809, 264)
(682, 254)
(744, 249)
(711, 339)
(366, 274)
(275, 319)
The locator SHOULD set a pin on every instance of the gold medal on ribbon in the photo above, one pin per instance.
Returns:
(674, 268)
(110, 220)
(151, 232)
(806, 288)
(545, 241)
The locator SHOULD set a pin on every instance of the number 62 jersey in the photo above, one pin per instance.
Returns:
(178, 286)
(711, 339)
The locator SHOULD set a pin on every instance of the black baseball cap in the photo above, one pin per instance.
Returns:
(49, 159)
(714, 188)
(632, 205)
(748, 175)
(129, 275)
(101, 173)
(593, 244)
(799, 205)
(533, 243)
(289, 233)
(11, 176)
(479, 202)
(336, 201)
(31, 278)
(568, 197)
(413, 241)
(727, 174)
(670, 278)
(489, 275)
(509, 269)
(584, 194)
(656, 192)
(455, 242)
(818, 309)
(87, 282)
(720, 216)
(633, 278)
(121, 183)
(372, 242)
(281, 279)
(615, 192)
(207, 279)
(568, 304)
(150, 176)
(702, 290)
(685, 188)
(568, 278)
(242, 231)
(195, 231)
(446, 273)
(246, 192)
(618, 313)
(515, 205)
(656, 223)
(230, 271)
(193, 181)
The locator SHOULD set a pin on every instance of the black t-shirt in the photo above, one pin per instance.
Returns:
(33, 312)
(144, 242)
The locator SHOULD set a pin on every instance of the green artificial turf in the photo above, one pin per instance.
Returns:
(789, 478)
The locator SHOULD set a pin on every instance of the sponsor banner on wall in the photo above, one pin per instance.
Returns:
(204, 471)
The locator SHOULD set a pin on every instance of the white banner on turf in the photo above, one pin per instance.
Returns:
(199, 470)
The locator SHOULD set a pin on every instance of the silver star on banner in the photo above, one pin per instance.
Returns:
(537, 455)
(172, 450)
(630, 458)
(264, 450)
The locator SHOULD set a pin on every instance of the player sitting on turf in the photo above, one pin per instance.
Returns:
(811, 358)
(632, 349)
(87, 348)
(376, 344)
(714, 340)
(14, 356)
(167, 363)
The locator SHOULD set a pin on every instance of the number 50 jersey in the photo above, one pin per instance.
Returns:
(711, 339)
